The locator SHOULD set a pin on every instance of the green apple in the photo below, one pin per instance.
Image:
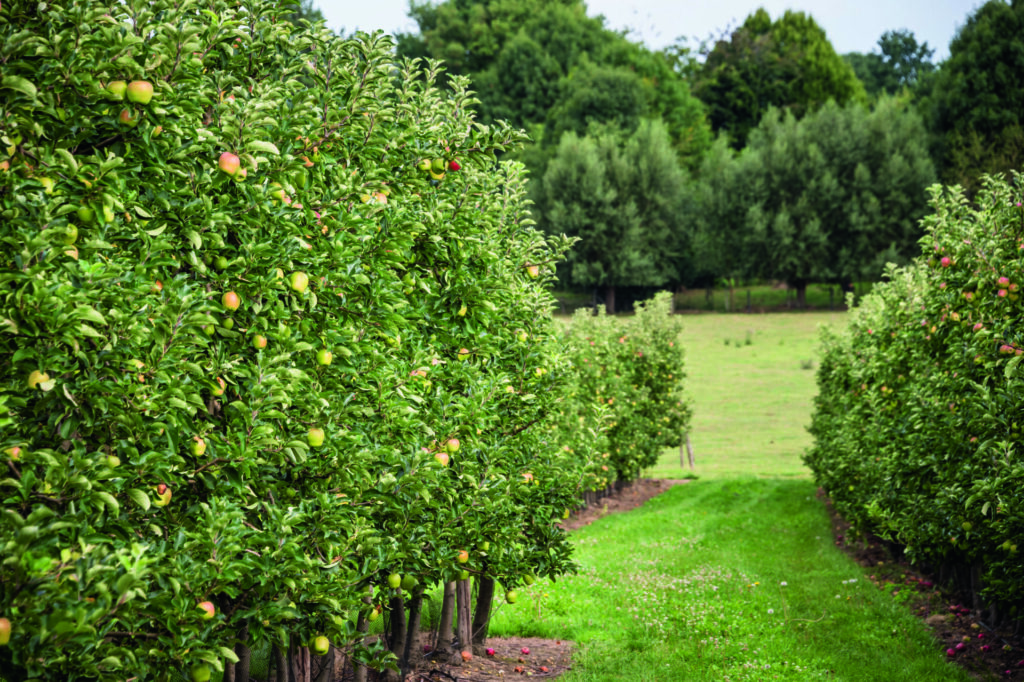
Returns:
(511, 596)
(71, 235)
(321, 645)
(485, 546)
(116, 90)
(113, 461)
(453, 445)
(463, 575)
(315, 437)
(140, 92)
(462, 311)
(528, 579)
(324, 356)
(259, 342)
(85, 214)
(298, 281)
(221, 263)
(408, 583)
(198, 446)
(35, 378)
(201, 673)
(394, 581)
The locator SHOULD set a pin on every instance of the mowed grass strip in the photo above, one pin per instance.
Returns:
(725, 580)
(752, 383)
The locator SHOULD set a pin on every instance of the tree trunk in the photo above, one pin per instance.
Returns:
(281, 671)
(362, 625)
(239, 672)
(396, 610)
(443, 643)
(801, 295)
(412, 653)
(609, 298)
(299, 658)
(463, 620)
(482, 615)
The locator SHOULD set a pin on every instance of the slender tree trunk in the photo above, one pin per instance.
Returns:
(413, 653)
(362, 625)
(396, 609)
(482, 615)
(326, 663)
(281, 672)
(444, 639)
(464, 619)
(239, 672)
(299, 659)
(609, 298)
(801, 295)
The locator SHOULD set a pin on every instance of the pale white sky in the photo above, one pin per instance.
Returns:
(851, 25)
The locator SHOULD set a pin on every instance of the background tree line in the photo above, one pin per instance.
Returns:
(761, 153)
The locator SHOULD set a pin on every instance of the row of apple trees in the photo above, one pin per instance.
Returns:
(276, 346)
(918, 423)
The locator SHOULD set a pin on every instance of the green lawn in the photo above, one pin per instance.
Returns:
(733, 576)
(751, 380)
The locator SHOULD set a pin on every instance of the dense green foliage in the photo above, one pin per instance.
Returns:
(534, 63)
(633, 368)
(166, 325)
(622, 200)
(788, 63)
(900, 62)
(831, 197)
(977, 103)
(917, 425)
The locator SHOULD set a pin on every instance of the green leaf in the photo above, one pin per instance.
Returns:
(229, 654)
(20, 84)
(140, 498)
(259, 146)
(108, 500)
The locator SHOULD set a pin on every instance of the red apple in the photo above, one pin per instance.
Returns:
(14, 453)
(218, 389)
(229, 163)
(442, 458)
(5, 631)
(163, 494)
(230, 300)
(259, 342)
(208, 609)
(140, 92)
(463, 556)
(452, 445)
(127, 117)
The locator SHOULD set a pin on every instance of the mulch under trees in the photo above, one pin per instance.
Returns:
(960, 630)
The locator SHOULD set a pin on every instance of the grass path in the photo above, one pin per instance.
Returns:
(733, 576)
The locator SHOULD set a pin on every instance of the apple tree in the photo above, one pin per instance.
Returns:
(256, 279)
